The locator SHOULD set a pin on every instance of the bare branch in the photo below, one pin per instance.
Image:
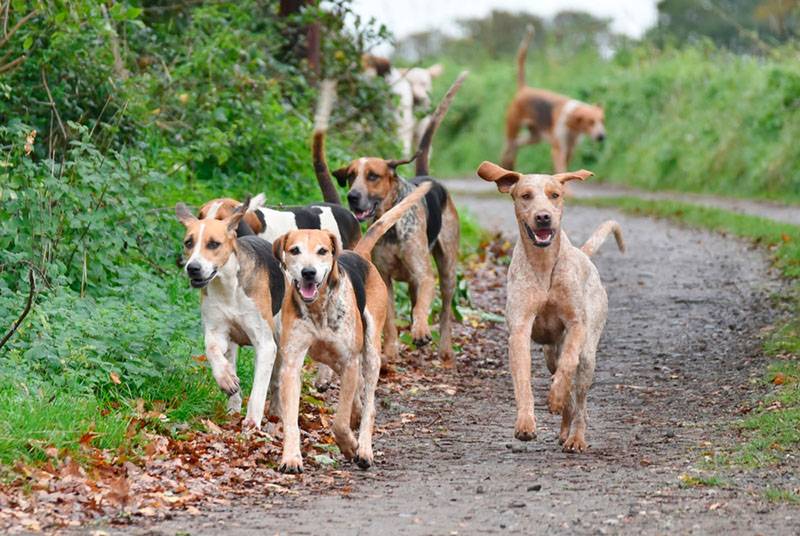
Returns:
(25, 311)
(53, 105)
(119, 66)
(16, 27)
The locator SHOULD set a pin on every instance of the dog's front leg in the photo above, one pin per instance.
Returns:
(390, 349)
(349, 387)
(234, 404)
(520, 324)
(574, 340)
(265, 350)
(294, 347)
(423, 291)
(224, 373)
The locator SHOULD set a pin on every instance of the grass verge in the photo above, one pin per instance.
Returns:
(771, 431)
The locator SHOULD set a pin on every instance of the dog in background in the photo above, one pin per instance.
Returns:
(543, 114)
(334, 311)
(270, 223)
(242, 288)
(413, 88)
(403, 254)
(555, 297)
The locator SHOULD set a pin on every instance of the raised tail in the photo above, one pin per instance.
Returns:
(327, 97)
(424, 149)
(599, 236)
(390, 217)
(522, 53)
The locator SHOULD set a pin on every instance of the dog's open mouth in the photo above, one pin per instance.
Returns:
(364, 215)
(541, 237)
(307, 289)
(200, 283)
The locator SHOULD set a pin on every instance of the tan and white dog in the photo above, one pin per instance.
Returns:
(242, 288)
(542, 114)
(413, 88)
(555, 297)
(334, 311)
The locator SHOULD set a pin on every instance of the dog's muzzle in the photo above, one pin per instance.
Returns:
(361, 206)
(195, 273)
(307, 287)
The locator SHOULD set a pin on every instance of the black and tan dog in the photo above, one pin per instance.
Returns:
(404, 253)
(334, 311)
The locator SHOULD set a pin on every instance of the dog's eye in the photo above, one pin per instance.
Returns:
(212, 244)
(322, 251)
(188, 243)
(527, 196)
(295, 251)
(372, 176)
(554, 195)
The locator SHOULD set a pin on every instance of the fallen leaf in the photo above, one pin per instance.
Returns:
(779, 379)
(115, 378)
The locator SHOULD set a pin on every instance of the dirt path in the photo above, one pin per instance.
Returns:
(674, 365)
(765, 209)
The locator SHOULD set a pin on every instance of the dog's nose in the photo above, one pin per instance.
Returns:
(194, 269)
(309, 274)
(543, 219)
(601, 137)
(353, 197)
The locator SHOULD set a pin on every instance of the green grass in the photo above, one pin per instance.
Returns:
(698, 119)
(772, 429)
(701, 481)
(781, 495)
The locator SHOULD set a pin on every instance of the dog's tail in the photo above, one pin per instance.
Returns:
(522, 53)
(390, 217)
(599, 236)
(327, 96)
(424, 149)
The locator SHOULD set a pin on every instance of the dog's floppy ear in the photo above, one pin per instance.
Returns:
(503, 178)
(183, 214)
(342, 175)
(580, 175)
(277, 249)
(435, 70)
(233, 220)
(336, 249)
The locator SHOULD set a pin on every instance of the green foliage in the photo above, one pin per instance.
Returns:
(697, 119)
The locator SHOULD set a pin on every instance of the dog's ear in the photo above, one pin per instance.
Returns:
(342, 175)
(336, 249)
(183, 214)
(232, 221)
(580, 175)
(277, 249)
(435, 70)
(503, 178)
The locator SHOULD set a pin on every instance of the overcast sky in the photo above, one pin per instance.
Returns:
(402, 17)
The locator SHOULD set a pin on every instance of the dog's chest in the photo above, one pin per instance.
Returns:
(235, 314)
(333, 325)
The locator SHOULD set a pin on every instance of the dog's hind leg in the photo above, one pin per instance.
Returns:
(324, 377)
(390, 347)
(446, 255)
(571, 348)
(265, 350)
(575, 436)
(372, 352)
(234, 404)
(348, 391)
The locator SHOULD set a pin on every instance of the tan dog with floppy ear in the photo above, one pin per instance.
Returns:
(542, 114)
(555, 297)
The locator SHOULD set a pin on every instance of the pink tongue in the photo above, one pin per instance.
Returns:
(307, 290)
(543, 234)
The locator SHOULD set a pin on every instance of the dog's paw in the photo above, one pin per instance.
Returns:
(421, 335)
(575, 443)
(557, 397)
(364, 458)
(525, 429)
(250, 424)
(292, 465)
(346, 442)
(227, 380)
(323, 379)
(447, 357)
